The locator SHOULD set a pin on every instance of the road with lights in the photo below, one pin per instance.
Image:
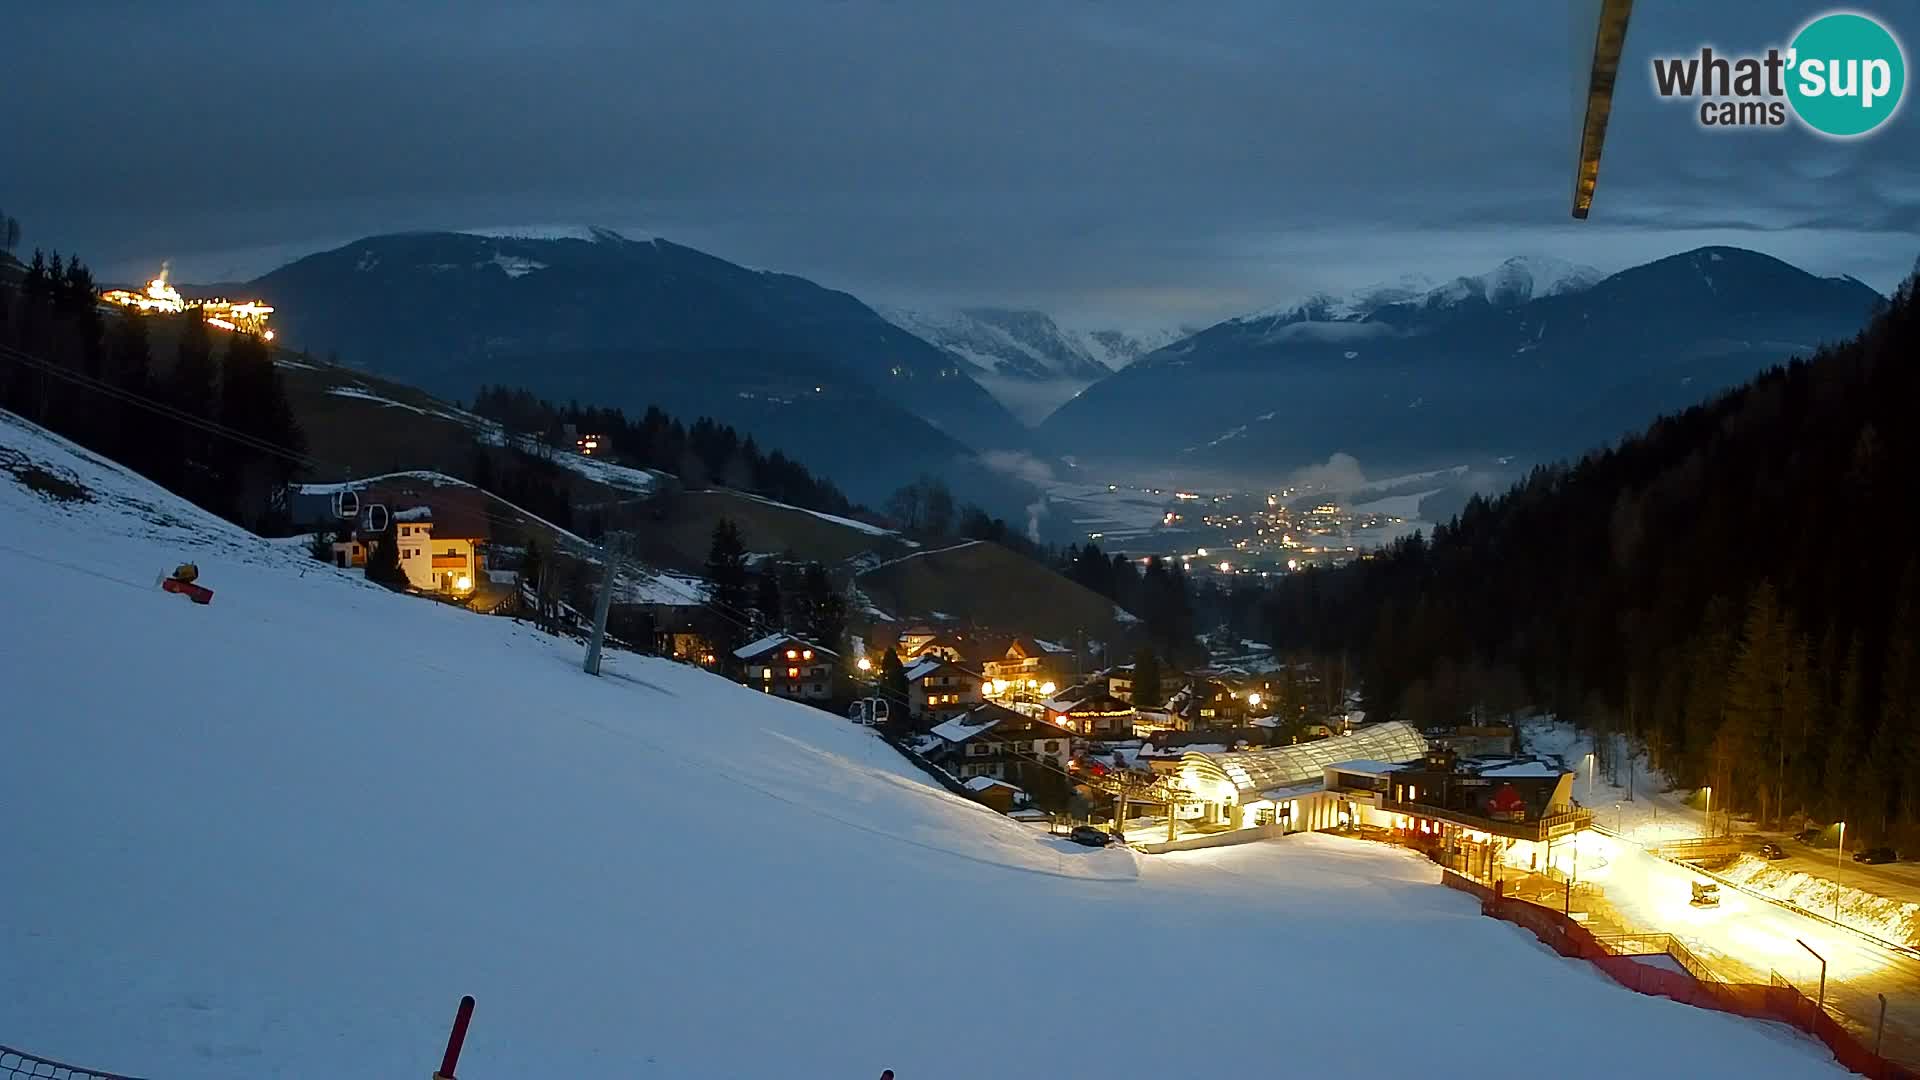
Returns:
(1748, 939)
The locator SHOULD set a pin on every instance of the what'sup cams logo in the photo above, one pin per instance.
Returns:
(1842, 75)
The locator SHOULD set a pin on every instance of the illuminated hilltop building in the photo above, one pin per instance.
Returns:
(245, 316)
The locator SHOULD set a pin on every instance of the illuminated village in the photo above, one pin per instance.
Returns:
(245, 316)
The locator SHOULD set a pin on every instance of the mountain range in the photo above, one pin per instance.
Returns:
(1535, 359)
(608, 320)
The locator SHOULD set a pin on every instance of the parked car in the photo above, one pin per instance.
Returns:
(1809, 837)
(1090, 836)
(1771, 850)
(1875, 855)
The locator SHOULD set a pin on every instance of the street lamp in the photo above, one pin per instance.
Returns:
(863, 664)
(1838, 850)
(1590, 771)
(1823, 972)
(1709, 790)
(1253, 700)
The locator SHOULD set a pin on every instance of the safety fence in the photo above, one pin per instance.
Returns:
(20, 1064)
(1614, 955)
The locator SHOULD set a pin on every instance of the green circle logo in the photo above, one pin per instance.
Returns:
(1847, 74)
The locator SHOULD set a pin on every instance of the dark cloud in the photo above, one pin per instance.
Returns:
(1129, 161)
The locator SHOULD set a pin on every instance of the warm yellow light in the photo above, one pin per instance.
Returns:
(864, 664)
(1047, 689)
(462, 583)
(1253, 700)
(792, 655)
(269, 335)
(807, 655)
(793, 673)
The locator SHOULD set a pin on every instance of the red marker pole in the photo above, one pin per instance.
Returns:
(455, 1039)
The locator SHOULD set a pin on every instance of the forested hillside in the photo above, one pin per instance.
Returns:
(1738, 586)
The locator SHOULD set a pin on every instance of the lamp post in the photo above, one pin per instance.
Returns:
(1838, 850)
(1590, 772)
(1823, 971)
(1709, 790)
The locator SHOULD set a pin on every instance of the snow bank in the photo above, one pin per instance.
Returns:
(1889, 920)
(281, 834)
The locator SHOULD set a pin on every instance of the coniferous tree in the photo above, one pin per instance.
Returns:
(827, 610)
(1847, 750)
(893, 682)
(1896, 756)
(726, 573)
(383, 560)
(139, 432)
(252, 401)
(189, 388)
(1148, 691)
(768, 612)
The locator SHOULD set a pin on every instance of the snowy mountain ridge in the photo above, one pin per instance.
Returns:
(1005, 341)
(1513, 282)
(1028, 361)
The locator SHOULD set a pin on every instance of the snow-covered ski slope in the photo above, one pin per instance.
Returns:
(281, 835)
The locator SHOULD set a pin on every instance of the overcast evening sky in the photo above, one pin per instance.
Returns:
(1134, 163)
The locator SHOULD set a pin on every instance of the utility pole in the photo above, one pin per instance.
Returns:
(605, 601)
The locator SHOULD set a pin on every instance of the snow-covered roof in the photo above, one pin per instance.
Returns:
(967, 725)
(748, 652)
(927, 665)
(415, 513)
(982, 783)
(1524, 770)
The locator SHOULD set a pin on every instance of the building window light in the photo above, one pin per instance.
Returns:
(793, 673)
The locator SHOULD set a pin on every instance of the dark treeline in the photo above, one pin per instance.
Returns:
(927, 506)
(701, 455)
(1736, 587)
(784, 595)
(88, 376)
(1159, 593)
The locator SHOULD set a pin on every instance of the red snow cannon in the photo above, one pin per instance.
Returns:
(184, 580)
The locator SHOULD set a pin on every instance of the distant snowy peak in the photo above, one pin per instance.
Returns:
(1008, 342)
(1514, 282)
(593, 234)
(1116, 349)
(1525, 278)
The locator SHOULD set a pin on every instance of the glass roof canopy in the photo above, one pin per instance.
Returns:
(1253, 771)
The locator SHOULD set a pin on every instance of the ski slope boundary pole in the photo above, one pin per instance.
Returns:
(456, 1039)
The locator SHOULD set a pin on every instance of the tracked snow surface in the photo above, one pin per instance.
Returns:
(280, 835)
